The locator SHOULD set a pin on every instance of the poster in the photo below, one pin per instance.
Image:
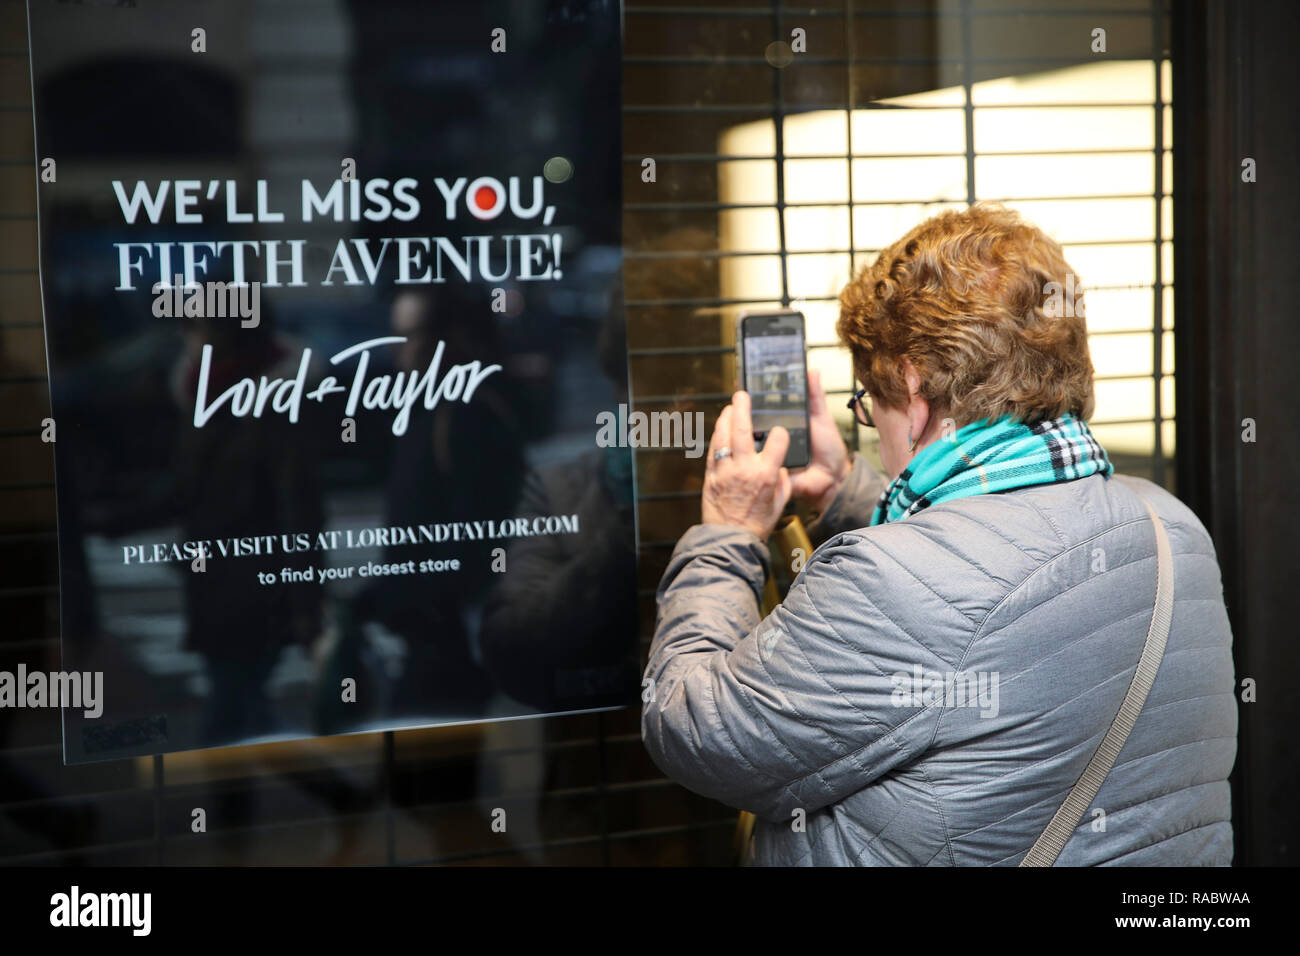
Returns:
(332, 298)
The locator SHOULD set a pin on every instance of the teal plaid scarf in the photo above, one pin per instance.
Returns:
(988, 456)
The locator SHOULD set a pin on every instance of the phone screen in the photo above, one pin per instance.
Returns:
(776, 378)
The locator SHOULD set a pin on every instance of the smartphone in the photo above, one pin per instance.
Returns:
(774, 371)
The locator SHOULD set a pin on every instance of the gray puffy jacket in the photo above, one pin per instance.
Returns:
(931, 689)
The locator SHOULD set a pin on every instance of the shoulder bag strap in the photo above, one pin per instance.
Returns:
(1049, 844)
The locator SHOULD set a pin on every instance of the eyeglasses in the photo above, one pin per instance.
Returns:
(860, 410)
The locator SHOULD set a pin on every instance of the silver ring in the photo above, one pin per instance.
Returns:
(721, 453)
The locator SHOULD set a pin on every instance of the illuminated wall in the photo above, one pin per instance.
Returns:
(1072, 149)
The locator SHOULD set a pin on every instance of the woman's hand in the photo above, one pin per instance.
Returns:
(830, 463)
(745, 488)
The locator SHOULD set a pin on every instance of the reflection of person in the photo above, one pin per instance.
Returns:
(245, 476)
(556, 634)
(557, 630)
(948, 660)
(237, 477)
(456, 462)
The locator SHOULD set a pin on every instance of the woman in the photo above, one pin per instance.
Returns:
(950, 657)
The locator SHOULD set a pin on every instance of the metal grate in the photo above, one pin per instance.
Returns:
(850, 81)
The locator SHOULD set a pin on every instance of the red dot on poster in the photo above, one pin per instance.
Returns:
(485, 197)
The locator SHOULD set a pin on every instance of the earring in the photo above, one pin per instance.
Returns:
(911, 442)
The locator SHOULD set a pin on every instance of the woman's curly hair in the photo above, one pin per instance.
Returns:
(968, 297)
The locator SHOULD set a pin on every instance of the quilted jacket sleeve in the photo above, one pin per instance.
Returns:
(793, 712)
(854, 504)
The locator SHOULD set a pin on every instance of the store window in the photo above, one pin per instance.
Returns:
(788, 145)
